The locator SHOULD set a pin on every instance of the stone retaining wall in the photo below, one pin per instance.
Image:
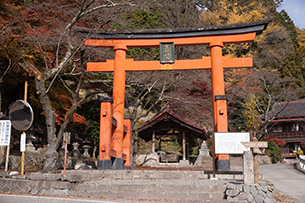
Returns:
(238, 192)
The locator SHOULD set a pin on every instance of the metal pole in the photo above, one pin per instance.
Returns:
(25, 99)
(7, 157)
(65, 163)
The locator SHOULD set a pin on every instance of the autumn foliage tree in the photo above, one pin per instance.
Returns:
(252, 93)
(40, 39)
(192, 100)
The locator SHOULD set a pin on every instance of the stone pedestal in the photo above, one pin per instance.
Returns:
(184, 163)
(222, 164)
(118, 164)
(30, 147)
(104, 164)
(248, 168)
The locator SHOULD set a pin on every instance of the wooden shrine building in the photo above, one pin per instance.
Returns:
(169, 124)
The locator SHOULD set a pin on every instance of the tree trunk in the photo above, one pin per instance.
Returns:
(50, 161)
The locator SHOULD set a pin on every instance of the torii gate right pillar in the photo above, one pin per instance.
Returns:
(220, 120)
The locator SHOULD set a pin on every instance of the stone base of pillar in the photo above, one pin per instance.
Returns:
(118, 164)
(222, 165)
(184, 163)
(104, 164)
(127, 167)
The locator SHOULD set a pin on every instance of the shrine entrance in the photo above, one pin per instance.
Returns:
(213, 36)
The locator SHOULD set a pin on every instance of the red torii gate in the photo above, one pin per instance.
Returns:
(213, 36)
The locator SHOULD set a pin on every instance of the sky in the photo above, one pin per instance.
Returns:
(295, 10)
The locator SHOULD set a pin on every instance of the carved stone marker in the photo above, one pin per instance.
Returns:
(248, 168)
(257, 148)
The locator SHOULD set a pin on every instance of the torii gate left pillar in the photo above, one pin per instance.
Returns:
(220, 118)
(118, 95)
(240, 33)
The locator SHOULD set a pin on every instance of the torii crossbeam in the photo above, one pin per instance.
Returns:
(213, 36)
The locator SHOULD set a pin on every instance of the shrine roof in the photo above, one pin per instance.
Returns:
(288, 110)
(167, 120)
(242, 28)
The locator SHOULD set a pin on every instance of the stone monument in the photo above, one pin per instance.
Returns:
(204, 150)
(248, 168)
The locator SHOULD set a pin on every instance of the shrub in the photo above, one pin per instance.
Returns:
(274, 151)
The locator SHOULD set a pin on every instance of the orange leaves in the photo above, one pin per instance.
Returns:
(278, 141)
(63, 106)
(76, 118)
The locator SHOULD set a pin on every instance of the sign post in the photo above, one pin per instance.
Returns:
(24, 135)
(22, 109)
(257, 148)
(5, 137)
(22, 150)
(66, 141)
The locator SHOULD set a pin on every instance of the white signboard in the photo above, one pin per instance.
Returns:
(230, 142)
(5, 132)
(22, 142)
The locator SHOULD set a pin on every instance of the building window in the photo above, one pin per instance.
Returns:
(277, 129)
(295, 127)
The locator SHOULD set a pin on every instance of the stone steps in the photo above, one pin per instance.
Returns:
(186, 189)
(146, 184)
(153, 184)
(148, 174)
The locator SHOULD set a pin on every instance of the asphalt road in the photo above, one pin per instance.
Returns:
(13, 198)
(4, 198)
(286, 179)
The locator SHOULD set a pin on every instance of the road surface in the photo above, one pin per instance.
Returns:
(286, 179)
(4, 198)
(13, 198)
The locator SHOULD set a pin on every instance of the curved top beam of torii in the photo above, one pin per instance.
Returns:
(227, 34)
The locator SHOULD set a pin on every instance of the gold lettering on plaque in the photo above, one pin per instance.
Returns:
(166, 52)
